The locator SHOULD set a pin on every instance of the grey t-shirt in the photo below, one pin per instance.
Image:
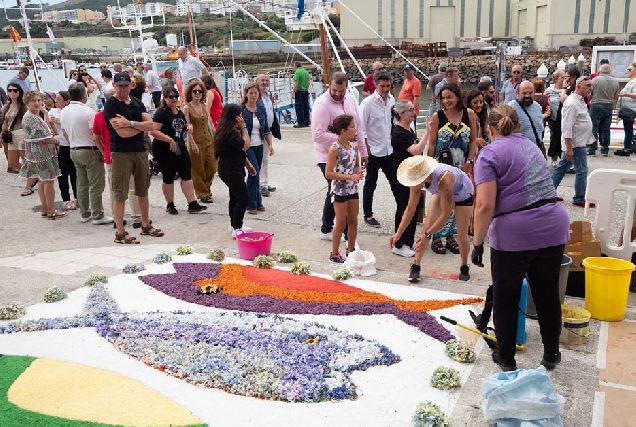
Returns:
(605, 89)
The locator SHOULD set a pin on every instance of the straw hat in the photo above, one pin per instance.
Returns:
(414, 170)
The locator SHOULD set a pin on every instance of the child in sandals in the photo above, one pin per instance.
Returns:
(344, 170)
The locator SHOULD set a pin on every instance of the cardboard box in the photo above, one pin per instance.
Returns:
(582, 244)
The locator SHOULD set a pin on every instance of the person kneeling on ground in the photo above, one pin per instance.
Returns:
(452, 190)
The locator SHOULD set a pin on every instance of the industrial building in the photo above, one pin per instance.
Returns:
(549, 23)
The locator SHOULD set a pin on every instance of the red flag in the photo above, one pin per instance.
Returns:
(14, 34)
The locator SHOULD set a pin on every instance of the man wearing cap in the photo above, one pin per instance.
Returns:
(190, 67)
(509, 87)
(375, 111)
(434, 80)
(451, 75)
(603, 98)
(334, 102)
(127, 120)
(369, 86)
(76, 120)
(603, 61)
(411, 89)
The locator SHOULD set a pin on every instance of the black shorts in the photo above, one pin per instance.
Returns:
(468, 202)
(341, 199)
(170, 164)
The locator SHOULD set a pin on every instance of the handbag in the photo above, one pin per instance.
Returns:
(446, 156)
(7, 135)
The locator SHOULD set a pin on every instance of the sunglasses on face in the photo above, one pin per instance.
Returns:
(412, 109)
(172, 97)
(516, 72)
(197, 91)
(12, 90)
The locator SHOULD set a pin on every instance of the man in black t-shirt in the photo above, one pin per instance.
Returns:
(127, 120)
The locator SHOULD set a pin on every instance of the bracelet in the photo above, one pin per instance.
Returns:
(244, 127)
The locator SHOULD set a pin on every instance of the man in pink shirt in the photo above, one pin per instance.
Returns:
(326, 108)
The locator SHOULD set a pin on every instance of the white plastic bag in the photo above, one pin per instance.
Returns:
(525, 397)
(361, 263)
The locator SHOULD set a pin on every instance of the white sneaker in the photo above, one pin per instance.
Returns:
(404, 251)
(103, 220)
(85, 220)
(243, 229)
(329, 237)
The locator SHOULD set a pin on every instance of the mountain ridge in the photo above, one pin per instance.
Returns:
(97, 5)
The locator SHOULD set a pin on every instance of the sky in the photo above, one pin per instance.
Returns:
(11, 3)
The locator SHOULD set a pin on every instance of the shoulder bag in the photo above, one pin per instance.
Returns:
(534, 130)
(7, 135)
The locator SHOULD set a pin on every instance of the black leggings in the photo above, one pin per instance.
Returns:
(67, 167)
(238, 198)
(508, 270)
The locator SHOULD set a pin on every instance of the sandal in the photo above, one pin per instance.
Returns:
(452, 245)
(207, 199)
(151, 231)
(437, 246)
(125, 239)
(27, 191)
(56, 214)
(69, 206)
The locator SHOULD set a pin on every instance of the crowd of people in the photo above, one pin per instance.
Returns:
(481, 158)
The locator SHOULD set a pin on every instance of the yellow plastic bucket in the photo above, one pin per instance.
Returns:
(607, 287)
(576, 323)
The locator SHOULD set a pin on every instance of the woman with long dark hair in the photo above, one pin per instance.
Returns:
(231, 142)
(13, 113)
(170, 151)
(453, 141)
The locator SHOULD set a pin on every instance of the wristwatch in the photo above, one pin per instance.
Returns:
(427, 235)
(470, 161)
(132, 123)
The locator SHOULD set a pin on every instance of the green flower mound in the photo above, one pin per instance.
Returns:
(428, 414)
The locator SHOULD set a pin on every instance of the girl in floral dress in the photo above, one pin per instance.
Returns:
(344, 171)
(40, 154)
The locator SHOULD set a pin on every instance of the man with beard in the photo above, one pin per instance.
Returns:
(487, 89)
(334, 102)
(530, 114)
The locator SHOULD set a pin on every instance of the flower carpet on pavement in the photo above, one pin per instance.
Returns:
(163, 354)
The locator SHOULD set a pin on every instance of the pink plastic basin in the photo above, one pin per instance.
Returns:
(250, 246)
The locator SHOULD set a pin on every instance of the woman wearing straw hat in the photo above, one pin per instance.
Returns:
(527, 229)
(452, 190)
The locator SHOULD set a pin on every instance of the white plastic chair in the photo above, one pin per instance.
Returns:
(601, 186)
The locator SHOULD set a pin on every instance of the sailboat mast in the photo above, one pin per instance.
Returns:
(192, 50)
(29, 47)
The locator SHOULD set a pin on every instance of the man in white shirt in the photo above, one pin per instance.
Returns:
(376, 122)
(190, 67)
(153, 84)
(77, 120)
(576, 133)
(268, 102)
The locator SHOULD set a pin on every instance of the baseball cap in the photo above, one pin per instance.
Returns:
(604, 61)
(443, 66)
(409, 67)
(121, 79)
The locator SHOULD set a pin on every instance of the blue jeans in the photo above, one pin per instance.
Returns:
(255, 199)
(601, 115)
(579, 160)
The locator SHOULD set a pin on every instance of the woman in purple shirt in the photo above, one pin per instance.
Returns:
(527, 230)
